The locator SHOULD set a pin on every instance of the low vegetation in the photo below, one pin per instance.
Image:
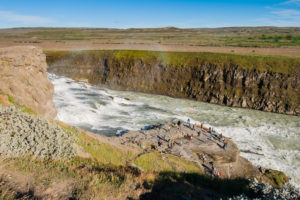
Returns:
(102, 153)
(277, 178)
(107, 172)
(11, 100)
(87, 178)
(116, 173)
(156, 162)
(285, 65)
(231, 36)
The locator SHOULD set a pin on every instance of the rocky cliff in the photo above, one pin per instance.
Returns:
(46, 159)
(23, 77)
(261, 83)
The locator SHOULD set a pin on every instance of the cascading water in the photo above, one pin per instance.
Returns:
(266, 139)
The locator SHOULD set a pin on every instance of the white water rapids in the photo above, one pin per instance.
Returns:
(271, 140)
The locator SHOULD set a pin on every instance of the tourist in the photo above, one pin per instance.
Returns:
(189, 122)
(220, 175)
(191, 138)
(201, 125)
(199, 133)
(225, 144)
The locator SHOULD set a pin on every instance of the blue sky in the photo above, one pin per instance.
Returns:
(142, 13)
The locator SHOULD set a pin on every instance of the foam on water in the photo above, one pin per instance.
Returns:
(271, 140)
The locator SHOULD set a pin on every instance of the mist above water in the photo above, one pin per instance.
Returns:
(273, 140)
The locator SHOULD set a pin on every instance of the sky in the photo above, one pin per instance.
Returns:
(149, 13)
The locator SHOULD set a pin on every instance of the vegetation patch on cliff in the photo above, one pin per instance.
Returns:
(285, 65)
(156, 162)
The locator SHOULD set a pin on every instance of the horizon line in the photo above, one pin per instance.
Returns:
(163, 27)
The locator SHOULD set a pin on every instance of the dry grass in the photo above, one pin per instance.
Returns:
(243, 40)
(87, 178)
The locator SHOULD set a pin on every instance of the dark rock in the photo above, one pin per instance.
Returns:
(226, 85)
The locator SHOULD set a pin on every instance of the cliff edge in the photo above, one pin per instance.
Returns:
(23, 76)
(257, 82)
(46, 159)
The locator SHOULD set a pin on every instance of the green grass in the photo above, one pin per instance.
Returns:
(232, 36)
(184, 165)
(277, 178)
(23, 108)
(11, 99)
(107, 154)
(156, 162)
(285, 65)
(153, 162)
(102, 153)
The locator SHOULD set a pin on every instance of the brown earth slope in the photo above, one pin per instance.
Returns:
(23, 77)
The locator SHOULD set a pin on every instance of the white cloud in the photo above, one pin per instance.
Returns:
(25, 19)
(295, 2)
(287, 14)
(280, 17)
(275, 22)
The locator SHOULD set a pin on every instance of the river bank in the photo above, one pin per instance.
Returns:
(166, 150)
(265, 139)
(48, 159)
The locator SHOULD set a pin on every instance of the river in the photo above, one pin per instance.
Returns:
(266, 139)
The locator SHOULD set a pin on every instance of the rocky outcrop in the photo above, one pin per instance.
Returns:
(23, 76)
(266, 191)
(229, 84)
(196, 144)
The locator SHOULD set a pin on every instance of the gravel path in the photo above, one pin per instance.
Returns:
(22, 134)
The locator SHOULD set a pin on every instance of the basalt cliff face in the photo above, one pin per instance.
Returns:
(23, 77)
(268, 88)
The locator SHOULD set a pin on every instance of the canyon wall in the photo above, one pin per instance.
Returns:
(24, 81)
(261, 83)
